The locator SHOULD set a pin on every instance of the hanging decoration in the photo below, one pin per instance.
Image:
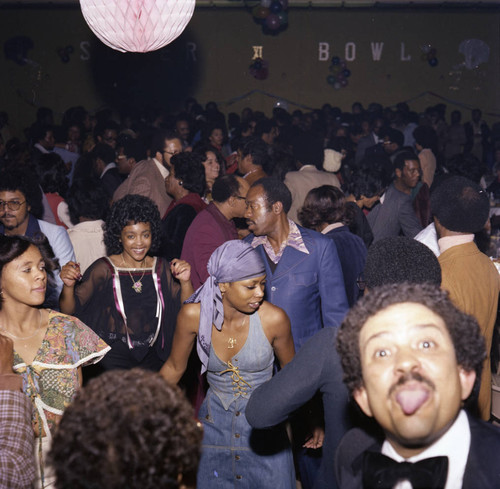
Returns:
(475, 52)
(259, 69)
(64, 53)
(429, 54)
(137, 26)
(271, 15)
(339, 73)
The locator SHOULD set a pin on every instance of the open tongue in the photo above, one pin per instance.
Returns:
(410, 400)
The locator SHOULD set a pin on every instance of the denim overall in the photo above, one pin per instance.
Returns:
(234, 455)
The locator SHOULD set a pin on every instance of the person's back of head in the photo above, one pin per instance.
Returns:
(127, 429)
(308, 149)
(399, 259)
(460, 205)
(87, 199)
(466, 165)
(258, 150)
(224, 187)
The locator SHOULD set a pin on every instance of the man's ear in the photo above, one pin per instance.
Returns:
(361, 398)
(398, 172)
(277, 207)
(159, 157)
(467, 380)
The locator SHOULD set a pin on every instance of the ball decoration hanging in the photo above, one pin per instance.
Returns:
(339, 73)
(137, 26)
(272, 15)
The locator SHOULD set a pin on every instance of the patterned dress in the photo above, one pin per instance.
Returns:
(51, 380)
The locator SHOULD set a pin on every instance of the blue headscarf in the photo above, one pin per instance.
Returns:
(231, 262)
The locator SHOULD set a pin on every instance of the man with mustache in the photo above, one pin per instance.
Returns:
(411, 360)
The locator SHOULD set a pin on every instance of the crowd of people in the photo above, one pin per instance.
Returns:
(330, 267)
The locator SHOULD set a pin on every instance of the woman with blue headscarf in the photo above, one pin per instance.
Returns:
(238, 335)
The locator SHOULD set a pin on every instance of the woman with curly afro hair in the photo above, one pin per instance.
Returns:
(130, 298)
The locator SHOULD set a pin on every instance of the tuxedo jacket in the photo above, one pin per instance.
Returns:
(308, 287)
(481, 471)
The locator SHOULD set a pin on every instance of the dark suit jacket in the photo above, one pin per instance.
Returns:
(482, 469)
(396, 214)
(309, 287)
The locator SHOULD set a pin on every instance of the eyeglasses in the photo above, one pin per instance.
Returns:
(12, 205)
(239, 197)
(172, 153)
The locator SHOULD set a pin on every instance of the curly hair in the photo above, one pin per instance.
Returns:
(12, 247)
(126, 428)
(131, 209)
(189, 169)
(12, 179)
(467, 340)
(398, 259)
(322, 205)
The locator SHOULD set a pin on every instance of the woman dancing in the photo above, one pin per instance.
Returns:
(238, 334)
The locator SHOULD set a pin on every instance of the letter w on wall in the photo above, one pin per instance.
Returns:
(377, 48)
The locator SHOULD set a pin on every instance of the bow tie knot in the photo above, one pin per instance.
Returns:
(381, 472)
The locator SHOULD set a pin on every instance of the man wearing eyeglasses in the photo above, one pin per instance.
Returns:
(148, 176)
(20, 202)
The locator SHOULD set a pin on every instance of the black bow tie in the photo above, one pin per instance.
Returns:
(381, 472)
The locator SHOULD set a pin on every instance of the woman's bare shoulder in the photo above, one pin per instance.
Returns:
(270, 313)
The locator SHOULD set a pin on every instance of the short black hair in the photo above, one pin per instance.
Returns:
(264, 126)
(460, 205)
(276, 191)
(258, 150)
(308, 149)
(12, 179)
(189, 169)
(225, 187)
(87, 198)
(325, 204)
(131, 209)
(103, 152)
(425, 136)
(52, 172)
(401, 158)
(159, 138)
(367, 182)
(465, 334)
(398, 259)
(133, 429)
(395, 136)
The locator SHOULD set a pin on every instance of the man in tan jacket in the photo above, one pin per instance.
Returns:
(460, 209)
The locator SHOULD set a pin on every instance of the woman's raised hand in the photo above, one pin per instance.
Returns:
(180, 269)
(70, 274)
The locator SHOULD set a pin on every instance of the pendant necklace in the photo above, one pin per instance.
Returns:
(232, 341)
(25, 337)
(136, 285)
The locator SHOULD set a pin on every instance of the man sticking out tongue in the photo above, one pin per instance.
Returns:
(411, 360)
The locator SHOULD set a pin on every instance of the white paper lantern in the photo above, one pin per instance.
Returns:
(137, 25)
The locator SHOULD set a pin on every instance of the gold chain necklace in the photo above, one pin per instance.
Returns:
(136, 285)
(25, 337)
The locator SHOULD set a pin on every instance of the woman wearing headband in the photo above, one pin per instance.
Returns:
(238, 334)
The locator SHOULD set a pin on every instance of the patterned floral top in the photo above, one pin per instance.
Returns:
(51, 381)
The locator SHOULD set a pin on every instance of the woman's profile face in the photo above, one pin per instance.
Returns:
(24, 279)
(245, 295)
(136, 241)
(212, 166)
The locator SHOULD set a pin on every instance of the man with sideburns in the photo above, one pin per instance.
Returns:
(410, 360)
